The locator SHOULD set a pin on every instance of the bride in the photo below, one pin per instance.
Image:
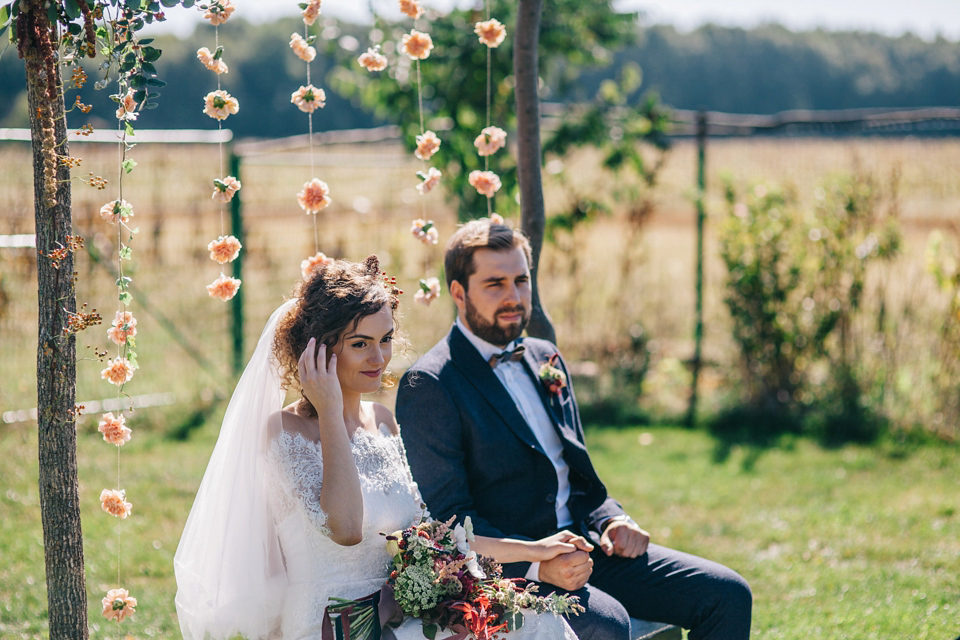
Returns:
(293, 501)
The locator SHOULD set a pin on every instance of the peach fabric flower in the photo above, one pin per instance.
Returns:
(373, 60)
(308, 99)
(223, 190)
(417, 44)
(219, 104)
(115, 503)
(428, 292)
(128, 107)
(302, 48)
(118, 372)
(311, 12)
(496, 218)
(223, 288)
(219, 12)
(430, 179)
(314, 197)
(114, 429)
(490, 32)
(124, 326)
(486, 183)
(313, 263)
(211, 62)
(411, 8)
(427, 144)
(490, 140)
(425, 231)
(118, 605)
(116, 211)
(224, 249)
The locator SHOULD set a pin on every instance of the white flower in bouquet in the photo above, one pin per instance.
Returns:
(474, 567)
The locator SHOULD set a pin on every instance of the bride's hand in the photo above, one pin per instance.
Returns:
(318, 378)
(559, 543)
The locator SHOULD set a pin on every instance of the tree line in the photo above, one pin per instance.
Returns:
(760, 70)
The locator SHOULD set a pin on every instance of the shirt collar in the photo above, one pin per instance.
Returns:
(485, 349)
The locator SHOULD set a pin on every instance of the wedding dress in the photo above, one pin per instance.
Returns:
(254, 558)
(318, 568)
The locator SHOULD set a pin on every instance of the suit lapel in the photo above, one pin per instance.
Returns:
(480, 374)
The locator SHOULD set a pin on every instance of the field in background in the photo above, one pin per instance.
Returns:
(373, 203)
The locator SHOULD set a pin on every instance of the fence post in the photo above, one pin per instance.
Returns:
(696, 362)
(236, 307)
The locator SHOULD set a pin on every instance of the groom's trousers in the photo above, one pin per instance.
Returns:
(663, 585)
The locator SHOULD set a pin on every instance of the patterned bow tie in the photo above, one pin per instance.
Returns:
(507, 356)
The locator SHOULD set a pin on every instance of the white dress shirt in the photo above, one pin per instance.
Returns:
(522, 389)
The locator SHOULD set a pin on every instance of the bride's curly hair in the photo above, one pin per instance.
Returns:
(331, 300)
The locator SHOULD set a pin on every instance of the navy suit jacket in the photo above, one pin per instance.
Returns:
(473, 454)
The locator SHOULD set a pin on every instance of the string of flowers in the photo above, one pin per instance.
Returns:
(315, 194)
(118, 604)
(491, 139)
(417, 45)
(219, 105)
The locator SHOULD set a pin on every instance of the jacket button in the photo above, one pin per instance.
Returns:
(551, 498)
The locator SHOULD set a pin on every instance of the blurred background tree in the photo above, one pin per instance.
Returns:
(573, 36)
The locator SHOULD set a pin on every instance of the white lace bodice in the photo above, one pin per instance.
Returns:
(318, 567)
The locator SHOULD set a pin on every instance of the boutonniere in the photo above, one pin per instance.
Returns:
(552, 378)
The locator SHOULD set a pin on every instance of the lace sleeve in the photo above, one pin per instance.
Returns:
(411, 483)
(298, 464)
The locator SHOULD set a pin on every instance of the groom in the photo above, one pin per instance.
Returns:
(492, 431)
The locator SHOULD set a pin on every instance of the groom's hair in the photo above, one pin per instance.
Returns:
(479, 234)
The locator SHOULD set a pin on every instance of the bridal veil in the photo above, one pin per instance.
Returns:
(229, 567)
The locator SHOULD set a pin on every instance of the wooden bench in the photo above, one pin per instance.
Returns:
(643, 630)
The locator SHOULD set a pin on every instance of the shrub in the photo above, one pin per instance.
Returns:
(796, 290)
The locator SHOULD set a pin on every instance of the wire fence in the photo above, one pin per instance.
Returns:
(371, 177)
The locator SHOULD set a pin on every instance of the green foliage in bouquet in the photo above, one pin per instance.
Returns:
(439, 579)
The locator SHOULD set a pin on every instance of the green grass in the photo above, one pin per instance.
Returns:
(853, 542)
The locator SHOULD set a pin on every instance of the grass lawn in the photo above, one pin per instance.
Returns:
(854, 542)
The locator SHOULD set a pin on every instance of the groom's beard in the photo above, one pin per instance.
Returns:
(493, 332)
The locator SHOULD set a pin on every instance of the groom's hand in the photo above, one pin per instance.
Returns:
(624, 538)
(568, 571)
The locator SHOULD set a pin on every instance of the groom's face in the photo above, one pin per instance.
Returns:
(496, 302)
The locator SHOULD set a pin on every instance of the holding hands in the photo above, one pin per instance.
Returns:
(560, 543)
(569, 569)
(318, 378)
(566, 561)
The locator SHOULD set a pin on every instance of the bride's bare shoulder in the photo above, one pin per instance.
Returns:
(288, 420)
(385, 417)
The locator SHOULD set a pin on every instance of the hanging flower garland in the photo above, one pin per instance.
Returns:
(117, 603)
(220, 105)
(418, 45)
(491, 139)
(314, 197)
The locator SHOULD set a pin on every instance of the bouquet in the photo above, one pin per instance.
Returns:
(437, 577)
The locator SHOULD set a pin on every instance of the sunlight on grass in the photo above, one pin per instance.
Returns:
(854, 542)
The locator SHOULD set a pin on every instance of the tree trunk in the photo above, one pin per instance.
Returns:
(533, 218)
(56, 352)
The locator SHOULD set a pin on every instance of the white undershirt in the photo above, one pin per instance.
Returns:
(521, 388)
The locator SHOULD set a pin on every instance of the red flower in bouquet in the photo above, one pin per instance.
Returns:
(439, 579)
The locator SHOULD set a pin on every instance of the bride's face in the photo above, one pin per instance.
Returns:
(364, 352)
